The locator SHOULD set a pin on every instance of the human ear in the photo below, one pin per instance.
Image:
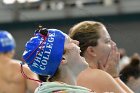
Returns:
(63, 61)
(91, 51)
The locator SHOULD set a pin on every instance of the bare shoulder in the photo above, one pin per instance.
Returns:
(16, 64)
(94, 74)
(95, 79)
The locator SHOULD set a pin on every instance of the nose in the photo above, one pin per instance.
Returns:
(113, 43)
(75, 42)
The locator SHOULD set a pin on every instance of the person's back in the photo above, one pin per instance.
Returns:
(11, 79)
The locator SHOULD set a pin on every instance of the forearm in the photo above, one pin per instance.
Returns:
(125, 87)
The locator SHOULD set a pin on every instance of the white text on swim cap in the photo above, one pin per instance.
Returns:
(42, 58)
(5, 42)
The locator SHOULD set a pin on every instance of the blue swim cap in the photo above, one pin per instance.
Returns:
(43, 53)
(7, 42)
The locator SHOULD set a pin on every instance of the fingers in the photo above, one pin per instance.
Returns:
(114, 55)
(112, 61)
(118, 57)
(113, 58)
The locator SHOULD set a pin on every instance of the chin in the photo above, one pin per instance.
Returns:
(84, 63)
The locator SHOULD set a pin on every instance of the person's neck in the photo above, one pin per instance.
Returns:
(92, 63)
(4, 59)
(67, 76)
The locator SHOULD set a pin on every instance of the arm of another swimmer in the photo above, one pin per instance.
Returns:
(30, 84)
(127, 89)
(99, 81)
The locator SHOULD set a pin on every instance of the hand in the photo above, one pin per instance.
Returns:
(111, 65)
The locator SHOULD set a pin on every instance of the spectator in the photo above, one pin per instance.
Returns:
(43, 55)
(101, 54)
(131, 73)
(11, 80)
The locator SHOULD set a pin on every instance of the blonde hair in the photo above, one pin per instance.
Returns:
(87, 33)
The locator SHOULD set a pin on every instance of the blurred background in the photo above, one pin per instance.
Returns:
(22, 17)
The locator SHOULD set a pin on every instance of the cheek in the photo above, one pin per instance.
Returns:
(104, 49)
(107, 50)
(104, 52)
